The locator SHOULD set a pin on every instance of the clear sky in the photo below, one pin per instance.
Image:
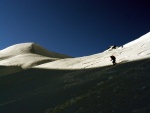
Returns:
(73, 27)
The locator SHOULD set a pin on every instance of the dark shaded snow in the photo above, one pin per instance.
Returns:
(33, 80)
(124, 88)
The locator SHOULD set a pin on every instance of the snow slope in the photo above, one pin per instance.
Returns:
(123, 88)
(134, 50)
(27, 55)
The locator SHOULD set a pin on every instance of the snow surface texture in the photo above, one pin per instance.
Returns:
(134, 50)
(27, 55)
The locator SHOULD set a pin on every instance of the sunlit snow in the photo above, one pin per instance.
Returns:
(134, 50)
(29, 55)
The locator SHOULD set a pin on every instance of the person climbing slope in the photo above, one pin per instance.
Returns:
(113, 59)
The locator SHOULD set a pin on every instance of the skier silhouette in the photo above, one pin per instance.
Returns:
(113, 59)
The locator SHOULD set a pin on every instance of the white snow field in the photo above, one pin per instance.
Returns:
(24, 56)
(39, 81)
(27, 55)
(134, 50)
(31, 55)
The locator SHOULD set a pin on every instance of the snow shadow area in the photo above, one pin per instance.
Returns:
(123, 88)
(5, 70)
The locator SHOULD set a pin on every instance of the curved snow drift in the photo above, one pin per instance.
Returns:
(29, 55)
(29, 48)
(135, 50)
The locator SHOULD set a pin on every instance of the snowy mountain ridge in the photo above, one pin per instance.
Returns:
(27, 55)
(31, 76)
(29, 48)
(134, 50)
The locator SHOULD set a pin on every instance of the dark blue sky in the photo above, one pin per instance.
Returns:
(73, 27)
